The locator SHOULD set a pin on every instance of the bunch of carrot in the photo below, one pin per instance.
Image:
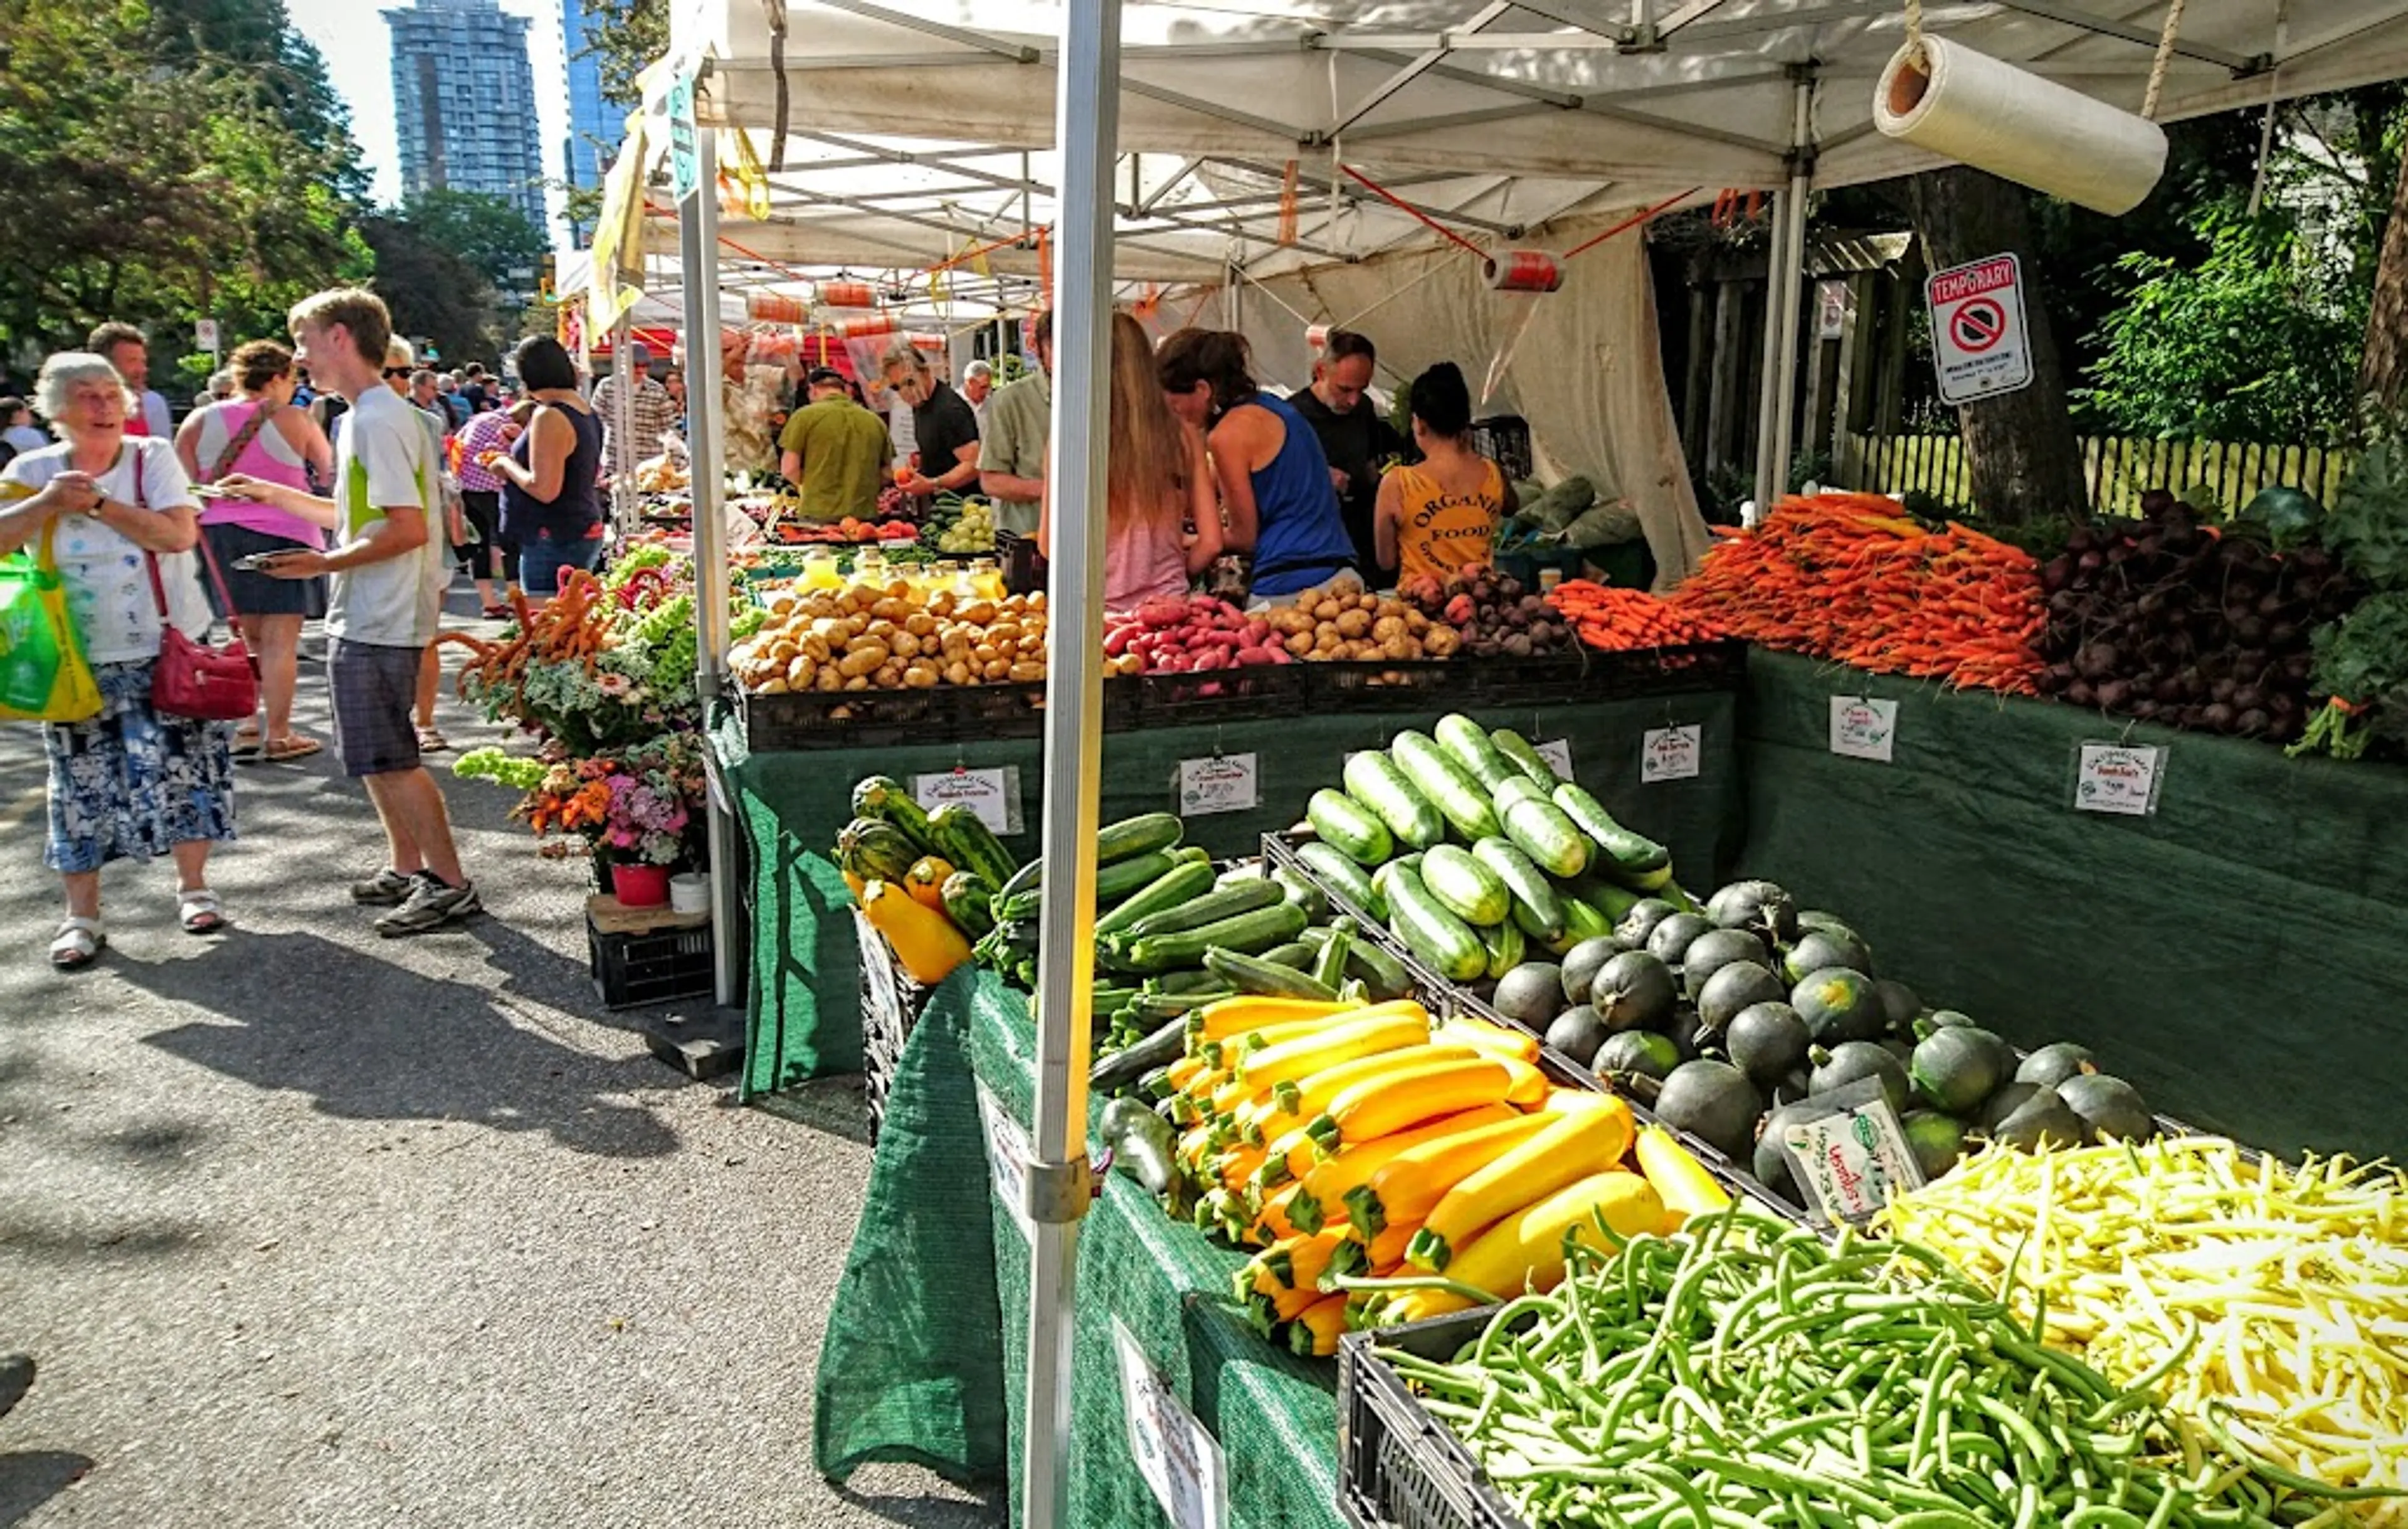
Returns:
(1617, 620)
(1846, 576)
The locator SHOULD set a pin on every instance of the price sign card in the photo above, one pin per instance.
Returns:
(1854, 1158)
(1226, 783)
(1178, 1456)
(1008, 1158)
(1863, 728)
(993, 794)
(1558, 752)
(2118, 778)
(1670, 754)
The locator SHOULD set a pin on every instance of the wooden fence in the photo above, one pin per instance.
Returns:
(2118, 470)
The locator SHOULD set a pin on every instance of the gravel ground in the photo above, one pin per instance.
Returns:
(311, 1228)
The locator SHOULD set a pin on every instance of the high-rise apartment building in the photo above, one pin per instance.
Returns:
(594, 128)
(464, 102)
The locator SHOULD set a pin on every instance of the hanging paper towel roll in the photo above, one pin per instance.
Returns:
(1944, 96)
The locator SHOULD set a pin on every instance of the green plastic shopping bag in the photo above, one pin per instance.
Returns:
(43, 675)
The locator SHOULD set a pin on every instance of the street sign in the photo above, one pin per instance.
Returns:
(685, 158)
(1832, 303)
(205, 335)
(1978, 341)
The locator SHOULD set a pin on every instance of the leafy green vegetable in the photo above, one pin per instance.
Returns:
(2362, 663)
(2368, 525)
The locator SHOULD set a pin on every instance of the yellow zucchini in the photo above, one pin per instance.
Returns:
(1294, 1103)
(1571, 1147)
(1317, 1328)
(1528, 1088)
(1681, 1180)
(1495, 1039)
(1393, 1102)
(1231, 1016)
(1302, 1057)
(1525, 1251)
(1271, 1221)
(1290, 1264)
(1320, 1198)
(1407, 1189)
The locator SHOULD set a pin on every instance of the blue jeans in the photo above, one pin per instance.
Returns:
(542, 560)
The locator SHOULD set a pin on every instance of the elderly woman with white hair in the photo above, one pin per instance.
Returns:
(117, 514)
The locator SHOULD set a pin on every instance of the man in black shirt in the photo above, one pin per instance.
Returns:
(942, 424)
(1352, 435)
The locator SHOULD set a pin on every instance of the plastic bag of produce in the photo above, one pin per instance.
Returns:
(1559, 506)
(1606, 525)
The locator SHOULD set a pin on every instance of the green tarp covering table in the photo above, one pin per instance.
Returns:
(927, 1347)
(2241, 956)
(802, 1005)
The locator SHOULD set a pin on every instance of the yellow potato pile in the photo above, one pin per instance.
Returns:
(1349, 623)
(868, 638)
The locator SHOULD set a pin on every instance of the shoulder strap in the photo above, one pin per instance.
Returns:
(242, 438)
(151, 559)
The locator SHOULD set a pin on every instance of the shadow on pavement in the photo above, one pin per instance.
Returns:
(369, 1040)
(987, 1509)
(30, 1478)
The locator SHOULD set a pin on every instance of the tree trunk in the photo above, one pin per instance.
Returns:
(2383, 373)
(2019, 447)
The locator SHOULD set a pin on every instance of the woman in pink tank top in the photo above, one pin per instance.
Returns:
(260, 435)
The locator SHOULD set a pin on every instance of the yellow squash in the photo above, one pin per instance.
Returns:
(1395, 1102)
(1320, 1199)
(925, 942)
(1292, 1105)
(1570, 1147)
(1411, 1186)
(1233, 1015)
(1525, 1251)
(925, 882)
(1680, 1179)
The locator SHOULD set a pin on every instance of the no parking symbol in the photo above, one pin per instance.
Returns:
(1978, 343)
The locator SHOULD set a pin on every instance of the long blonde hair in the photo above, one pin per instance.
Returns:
(1149, 444)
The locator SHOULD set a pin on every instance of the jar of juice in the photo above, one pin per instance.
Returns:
(986, 579)
(819, 572)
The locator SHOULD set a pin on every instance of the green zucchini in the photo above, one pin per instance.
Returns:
(1350, 827)
(1183, 983)
(1540, 830)
(969, 903)
(1611, 901)
(1329, 968)
(1467, 741)
(1175, 887)
(969, 844)
(1138, 835)
(1629, 853)
(1379, 783)
(1539, 911)
(1341, 877)
(1469, 889)
(1122, 1068)
(1298, 889)
(1221, 902)
(1383, 977)
(1526, 760)
(1297, 956)
(1246, 934)
(1437, 936)
(882, 797)
(1581, 922)
(1123, 878)
(1453, 789)
(1504, 946)
(1267, 979)
(1026, 879)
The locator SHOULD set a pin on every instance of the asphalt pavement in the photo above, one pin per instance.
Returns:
(307, 1227)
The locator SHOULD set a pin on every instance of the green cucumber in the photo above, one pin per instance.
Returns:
(1175, 887)
(1467, 741)
(1534, 895)
(1631, 854)
(1540, 830)
(1138, 835)
(1437, 936)
(1379, 783)
(1469, 890)
(1221, 902)
(1246, 934)
(1504, 946)
(1526, 760)
(1350, 827)
(1453, 789)
(1383, 977)
(1343, 876)
(966, 841)
(1612, 901)
(1267, 979)
(1299, 889)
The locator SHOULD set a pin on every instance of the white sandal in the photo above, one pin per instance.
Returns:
(199, 912)
(78, 944)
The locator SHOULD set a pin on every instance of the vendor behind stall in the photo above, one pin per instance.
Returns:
(942, 424)
(1013, 436)
(835, 451)
(1441, 515)
(1352, 435)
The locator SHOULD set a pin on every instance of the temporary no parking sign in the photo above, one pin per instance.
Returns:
(1978, 341)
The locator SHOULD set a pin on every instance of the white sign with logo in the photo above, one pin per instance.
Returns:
(1978, 343)
(1558, 752)
(1863, 728)
(1007, 1156)
(1854, 1161)
(993, 794)
(1178, 1458)
(1226, 783)
(685, 152)
(1670, 754)
(2118, 778)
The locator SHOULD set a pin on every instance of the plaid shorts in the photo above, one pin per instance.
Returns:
(375, 693)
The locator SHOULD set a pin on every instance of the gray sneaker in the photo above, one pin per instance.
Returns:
(432, 905)
(387, 888)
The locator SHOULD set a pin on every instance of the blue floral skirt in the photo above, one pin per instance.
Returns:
(130, 782)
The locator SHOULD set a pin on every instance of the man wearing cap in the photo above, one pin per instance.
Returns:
(655, 413)
(835, 451)
(977, 384)
(1013, 436)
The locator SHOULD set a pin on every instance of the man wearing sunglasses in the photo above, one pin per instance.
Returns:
(942, 424)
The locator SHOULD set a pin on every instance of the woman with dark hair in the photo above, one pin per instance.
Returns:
(1441, 515)
(1275, 487)
(549, 508)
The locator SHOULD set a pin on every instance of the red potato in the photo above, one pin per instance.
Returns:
(1254, 654)
(1116, 642)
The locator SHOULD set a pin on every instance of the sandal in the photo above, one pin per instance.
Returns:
(246, 739)
(431, 741)
(499, 613)
(289, 747)
(197, 910)
(78, 944)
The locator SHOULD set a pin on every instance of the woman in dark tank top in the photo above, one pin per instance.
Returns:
(551, 507)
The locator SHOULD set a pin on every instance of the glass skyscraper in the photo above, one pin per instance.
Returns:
(594, 128)
(464, 102)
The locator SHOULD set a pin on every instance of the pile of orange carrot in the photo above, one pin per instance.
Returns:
(1616, 620)
(1848, 577)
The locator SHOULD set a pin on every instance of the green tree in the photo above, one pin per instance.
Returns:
(627, 35)
(488, 232)
(433, 292)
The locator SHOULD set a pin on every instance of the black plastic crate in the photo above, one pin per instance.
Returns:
(1405, 685)
(1505, 439)
(1586, 674)
(1397, 1466)
(630, 970)
(890, 1006)
(851, 719)
(1259, 692)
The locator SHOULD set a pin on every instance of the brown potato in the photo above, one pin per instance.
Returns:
(1300, 644)
(862, 657)
(921, 677)
(978, 613)
(986, 653)
(920, 624)
(905, 646)
(885, 631)
(996, 669)
(1366, 601)
(958, 672)
(889, 676)
(859, 682)
(1353, 624)
(891, 609)
(1025, 673)
(802, 671)
(831, 678)
(1002, 632)
(1327, 607)
(773, 685)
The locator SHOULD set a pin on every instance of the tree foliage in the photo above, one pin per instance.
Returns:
(488, 232)
(626, 35)
(433, 292)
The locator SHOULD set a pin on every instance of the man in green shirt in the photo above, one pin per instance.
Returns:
(835, 452)
(1013, 439)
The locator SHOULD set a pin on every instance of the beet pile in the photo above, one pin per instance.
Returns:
(2168, 620)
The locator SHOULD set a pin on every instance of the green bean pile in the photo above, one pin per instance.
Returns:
(1745, 1375)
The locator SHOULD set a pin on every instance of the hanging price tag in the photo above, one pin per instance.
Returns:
(1558, 752)
(1226, 783)
(1007, 1158)
(1178, 1456)
(2118, 778)
(1670, 754)
(1862, 728)
(1853, 1158)
(993, 794)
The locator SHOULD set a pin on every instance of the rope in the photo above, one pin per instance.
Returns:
(1412, 211)
(1915, 31)
(2165, 56)
(1631, 222)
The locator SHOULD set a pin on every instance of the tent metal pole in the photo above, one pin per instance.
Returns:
(699, 256)
(622, 427)
(1058, 1184)
(1790, 279)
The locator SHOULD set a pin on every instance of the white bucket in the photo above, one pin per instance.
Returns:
(689, 892)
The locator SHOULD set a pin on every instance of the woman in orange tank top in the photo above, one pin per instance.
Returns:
(1441, 515)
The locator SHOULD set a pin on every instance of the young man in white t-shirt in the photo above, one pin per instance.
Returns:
(384, 604)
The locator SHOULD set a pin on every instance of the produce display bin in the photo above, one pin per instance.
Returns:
(1505, 439)
(632, 970)
(854, 719)
(1397, 1466)
(890, 1006)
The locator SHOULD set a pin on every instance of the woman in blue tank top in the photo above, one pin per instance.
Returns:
(1275, 488)
(550, 509)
